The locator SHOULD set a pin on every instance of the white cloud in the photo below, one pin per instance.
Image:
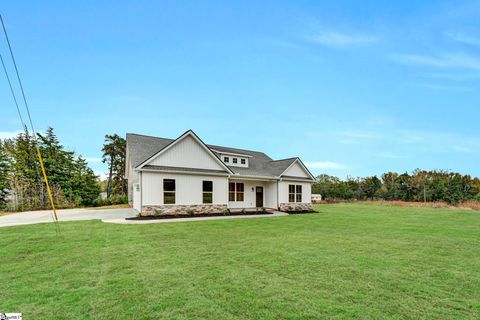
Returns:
(446, 60)
(462, 149)
(444, 87)
(356, 137)
(9, 134)
(464, 38)
(325, 165)
(455, 76)
(341, 40)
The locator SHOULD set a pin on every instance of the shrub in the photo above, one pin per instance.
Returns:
(115, 199)
(226, 212)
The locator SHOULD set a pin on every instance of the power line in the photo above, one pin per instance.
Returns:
(54, 211)
(18, 77)
(13, 92)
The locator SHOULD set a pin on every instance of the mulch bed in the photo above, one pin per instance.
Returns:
(301, 212)
(170, 216)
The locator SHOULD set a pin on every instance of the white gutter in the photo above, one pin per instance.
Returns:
(185, 172)
(242, 177)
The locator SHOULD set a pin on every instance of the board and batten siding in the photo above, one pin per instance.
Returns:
(271, 195)
(283, 191)
(250, 195)
(187, 153)
(188, 187)
(296, 170)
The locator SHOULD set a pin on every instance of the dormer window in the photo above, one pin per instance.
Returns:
(234, 159)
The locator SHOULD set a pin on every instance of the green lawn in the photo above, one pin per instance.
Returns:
(347, 261)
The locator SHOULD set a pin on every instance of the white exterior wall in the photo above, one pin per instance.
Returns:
(187, 153)
(250, 196)
(188, 188)
(306, 191)
(271, 195)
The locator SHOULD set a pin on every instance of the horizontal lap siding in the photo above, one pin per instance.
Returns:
(188, 188)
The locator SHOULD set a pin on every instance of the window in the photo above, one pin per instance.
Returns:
(240, 193)
(168, 191)
(234, 160)
(236, 191)
(242, 161)
(207, 189)
(291, 193)
(225, 159)
(299, 193)
(231, 191)
(294, 193)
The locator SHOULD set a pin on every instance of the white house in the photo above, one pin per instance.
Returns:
(185, 175)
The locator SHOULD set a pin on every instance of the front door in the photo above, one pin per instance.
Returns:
(259, 198)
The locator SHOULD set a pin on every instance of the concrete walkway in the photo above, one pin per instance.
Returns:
(45, 216)
(105, 215)
(247, 216)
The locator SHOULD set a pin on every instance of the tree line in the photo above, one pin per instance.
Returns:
(420, 185)
(71, 180)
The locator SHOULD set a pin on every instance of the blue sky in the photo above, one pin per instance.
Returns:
(352, 87)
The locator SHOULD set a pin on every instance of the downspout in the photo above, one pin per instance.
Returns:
(278, 193)
(141, 192)
(228, 190)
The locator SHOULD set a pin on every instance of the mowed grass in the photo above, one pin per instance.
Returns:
(346, 261)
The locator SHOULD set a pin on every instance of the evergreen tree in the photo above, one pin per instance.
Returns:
(4, 169)
(72, 182)
(114, 151)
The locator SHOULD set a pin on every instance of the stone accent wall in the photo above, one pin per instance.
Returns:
(174, 209)
(292, 207)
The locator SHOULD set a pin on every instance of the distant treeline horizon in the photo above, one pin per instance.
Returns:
(419, 185)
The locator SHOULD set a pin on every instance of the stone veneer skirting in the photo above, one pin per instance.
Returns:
(292, 207)
(174, 209)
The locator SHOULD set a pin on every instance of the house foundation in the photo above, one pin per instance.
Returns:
(159, 210)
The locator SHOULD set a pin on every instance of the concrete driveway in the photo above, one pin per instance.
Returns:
(32, 217)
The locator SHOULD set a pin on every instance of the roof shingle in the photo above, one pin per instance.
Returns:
(141, 147)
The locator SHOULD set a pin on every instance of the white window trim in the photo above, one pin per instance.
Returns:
(174, 192)
(295, 193)
(235, 192)
(211, 192)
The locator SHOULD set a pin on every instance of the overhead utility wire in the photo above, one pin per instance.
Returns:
(13, 93)
(50, 196)
(18, 77)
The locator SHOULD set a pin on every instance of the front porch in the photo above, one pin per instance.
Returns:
(252, 194)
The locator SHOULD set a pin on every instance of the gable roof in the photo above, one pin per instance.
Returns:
(141, 148)
(188, 133)
(300, 162)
